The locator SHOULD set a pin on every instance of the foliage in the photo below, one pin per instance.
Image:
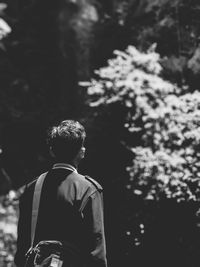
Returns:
(166, 158)
(4, 29)
(8, 228)
(173, 25)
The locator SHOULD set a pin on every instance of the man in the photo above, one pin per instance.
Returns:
(71, 205)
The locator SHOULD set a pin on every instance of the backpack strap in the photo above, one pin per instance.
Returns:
(35, 205)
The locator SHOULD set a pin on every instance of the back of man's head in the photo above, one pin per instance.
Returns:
(66, 140)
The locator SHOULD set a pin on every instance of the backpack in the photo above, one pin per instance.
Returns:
(47, 253)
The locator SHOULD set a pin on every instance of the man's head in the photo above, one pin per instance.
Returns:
(66, 141)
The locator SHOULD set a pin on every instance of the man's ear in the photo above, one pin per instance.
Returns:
(82, 152)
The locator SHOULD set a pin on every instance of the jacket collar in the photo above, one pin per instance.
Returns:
(64, 166)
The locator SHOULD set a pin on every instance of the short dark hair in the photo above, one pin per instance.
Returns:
(66, 139)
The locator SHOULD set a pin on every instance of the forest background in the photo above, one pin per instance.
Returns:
(129, 70)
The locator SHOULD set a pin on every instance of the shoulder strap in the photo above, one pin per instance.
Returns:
(35, 205)
(94, 182)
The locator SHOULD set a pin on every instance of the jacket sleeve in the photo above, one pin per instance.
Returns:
(94, 221)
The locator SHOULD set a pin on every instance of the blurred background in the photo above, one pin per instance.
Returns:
(129, 71)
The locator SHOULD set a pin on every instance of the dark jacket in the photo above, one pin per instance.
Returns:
(71, 209)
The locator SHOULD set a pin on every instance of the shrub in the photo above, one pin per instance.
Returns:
(166, 159)
(8, 228)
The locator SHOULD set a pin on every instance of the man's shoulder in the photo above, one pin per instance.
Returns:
(32, 183)
(94, 182)
(30, 186)
(27, 192)
(86, 181)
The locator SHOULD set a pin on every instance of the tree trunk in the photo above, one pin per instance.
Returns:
(76, 22)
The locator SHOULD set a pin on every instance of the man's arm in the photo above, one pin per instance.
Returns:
(94, 222)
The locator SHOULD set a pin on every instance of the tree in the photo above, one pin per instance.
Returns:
(163, 117)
